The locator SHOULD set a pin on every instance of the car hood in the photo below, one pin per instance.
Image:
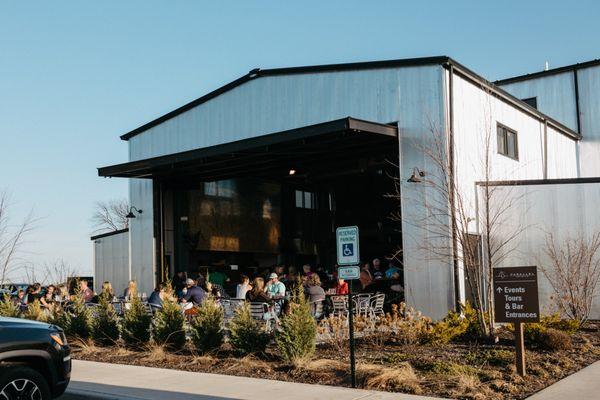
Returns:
(21, 323)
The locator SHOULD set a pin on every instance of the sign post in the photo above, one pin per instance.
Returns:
(348, 258)
(516, 301)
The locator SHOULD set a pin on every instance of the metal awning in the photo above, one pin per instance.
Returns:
(325, 144)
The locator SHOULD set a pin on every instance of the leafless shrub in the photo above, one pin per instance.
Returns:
(58, 271)
(573, 273)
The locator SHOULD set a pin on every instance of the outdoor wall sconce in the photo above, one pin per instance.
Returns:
(130, 214)
(416, 176)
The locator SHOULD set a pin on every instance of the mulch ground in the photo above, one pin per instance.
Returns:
(457, 370)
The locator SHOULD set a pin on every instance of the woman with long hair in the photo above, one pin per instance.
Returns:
(107, 292)
(257, 293)
(131, 290)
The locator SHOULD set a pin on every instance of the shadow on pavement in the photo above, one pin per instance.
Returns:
(96, 391)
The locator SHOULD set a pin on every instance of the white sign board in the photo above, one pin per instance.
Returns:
(349, 273)
(347, 245)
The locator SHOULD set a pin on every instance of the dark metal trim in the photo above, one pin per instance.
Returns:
(559, 181)
(305, 132)
(576, 85)
(553, 71)
(109, 234)
(441, 60)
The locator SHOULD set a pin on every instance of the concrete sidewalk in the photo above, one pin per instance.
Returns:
(582, 385)
(114, 381)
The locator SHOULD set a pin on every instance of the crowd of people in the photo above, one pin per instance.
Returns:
(273, 286)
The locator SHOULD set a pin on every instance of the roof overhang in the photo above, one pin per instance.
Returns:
(333, 143)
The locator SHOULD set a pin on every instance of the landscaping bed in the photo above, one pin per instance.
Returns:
(457, 370)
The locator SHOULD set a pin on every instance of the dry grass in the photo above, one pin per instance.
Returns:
(121, 351)
(157, 353)
(322, 365)
(400, 378)
(249, 363)
(85, 347)
(204, 360)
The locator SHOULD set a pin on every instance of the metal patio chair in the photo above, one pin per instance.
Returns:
(260, 312)
(316, 309)
(362, 304)
(376, 305)
(339, 306)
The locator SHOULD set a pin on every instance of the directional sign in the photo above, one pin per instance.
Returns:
(349, 273)
(347, 245)
(516, 294)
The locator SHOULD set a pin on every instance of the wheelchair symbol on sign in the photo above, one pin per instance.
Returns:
(348, 249)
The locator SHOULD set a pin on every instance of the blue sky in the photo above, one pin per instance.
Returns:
(75, 75)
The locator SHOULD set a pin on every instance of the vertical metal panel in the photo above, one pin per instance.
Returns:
(555, 96)
(589, 108)
(566, 211)
(111, 261)
(141, 230)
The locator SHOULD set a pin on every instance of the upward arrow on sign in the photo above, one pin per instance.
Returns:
(499, 290)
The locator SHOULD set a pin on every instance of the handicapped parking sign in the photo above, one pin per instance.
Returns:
(347, 245)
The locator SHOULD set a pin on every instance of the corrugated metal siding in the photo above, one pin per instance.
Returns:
(555, 96)
(141, 230)
(589, 114)
(111, 261)
(544, 209)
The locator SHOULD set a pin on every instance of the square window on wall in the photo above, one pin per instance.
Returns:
(507, 142)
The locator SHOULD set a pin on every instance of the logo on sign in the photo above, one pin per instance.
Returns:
(348, 249)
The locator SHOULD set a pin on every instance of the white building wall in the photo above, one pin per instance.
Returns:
(111, 261)
(565, 210)
(556, 97)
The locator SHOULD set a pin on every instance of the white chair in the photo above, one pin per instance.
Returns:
(376, 305)
(340, 306)
(261, 313)
(362, 304)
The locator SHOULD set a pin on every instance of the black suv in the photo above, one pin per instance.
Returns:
(35, 360)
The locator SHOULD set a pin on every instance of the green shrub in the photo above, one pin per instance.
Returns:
(554, 321)
(455, 326)
(136, 324)
(8, 308)
(35, 312)
(168, 328)
(298, 330)
(491, 357)
(59, 317)
(81, 319)
(246, 334)
(105, 325)
(206, 327)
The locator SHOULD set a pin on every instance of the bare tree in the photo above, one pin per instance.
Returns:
(469, 231)
(573, 273)
(110, 215)
(58, 271)
(12, 237)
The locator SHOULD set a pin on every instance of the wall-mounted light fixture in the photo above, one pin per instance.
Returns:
(416, 176)
(292, 172)
(130, 214)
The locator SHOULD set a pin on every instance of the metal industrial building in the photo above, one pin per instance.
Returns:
(262, 170)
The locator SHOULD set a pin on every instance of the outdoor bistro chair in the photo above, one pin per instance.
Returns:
(339, 305)
(316, 308)
(260, 312)
(362, 304)
(376, 305)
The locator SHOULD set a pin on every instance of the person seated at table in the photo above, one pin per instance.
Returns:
(85, 292)
(396, 283)
(48, 297)
(341, 286)
(157, 296)
(306, 272)
(217, 276)
(130, 290)
(392, 269)
(314, 291)
(62, 293)
(365, 276)
(257, 294)
(377, 270)
(195, 294)
(179, 283)
(20, 298)
(243, 287)
(275, 289)
(107, 292)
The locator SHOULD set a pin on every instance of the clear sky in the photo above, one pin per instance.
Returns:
(74, 75)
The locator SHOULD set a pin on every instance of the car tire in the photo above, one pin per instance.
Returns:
(21, 380)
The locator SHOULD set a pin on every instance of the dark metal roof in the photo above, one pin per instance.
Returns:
(440, 60)
(553, 71)
(334, 140)
(109, 234)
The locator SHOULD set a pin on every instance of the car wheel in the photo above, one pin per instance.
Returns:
(23, 383)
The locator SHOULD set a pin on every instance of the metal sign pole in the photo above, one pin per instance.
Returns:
(520, 349)
(351, 329)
